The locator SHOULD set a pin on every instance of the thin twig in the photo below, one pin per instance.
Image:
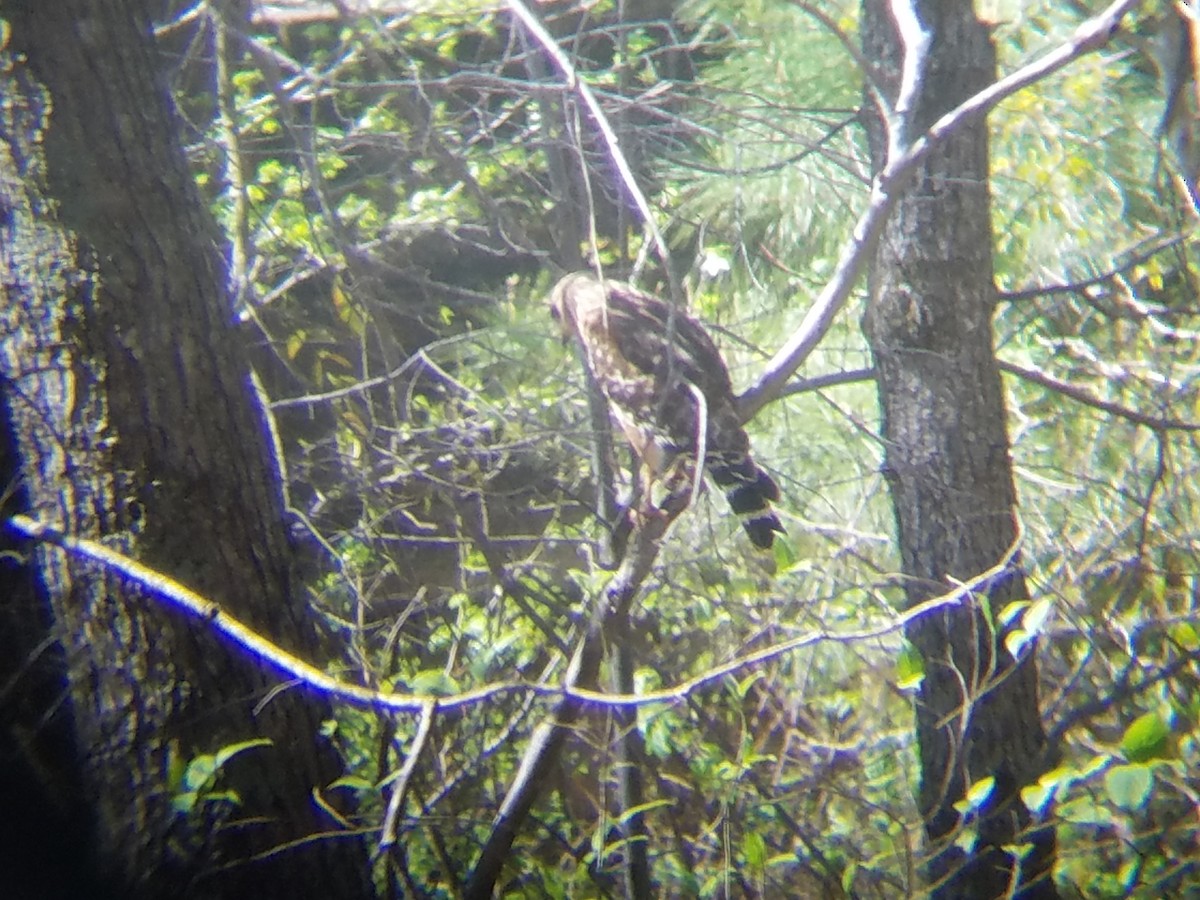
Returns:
(1155, 423)
(400, 790)
(1071, 391)
(588, 96)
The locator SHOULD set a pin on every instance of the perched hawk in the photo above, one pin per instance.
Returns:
(664, 379)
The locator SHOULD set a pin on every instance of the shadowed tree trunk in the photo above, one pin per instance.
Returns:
(949, 470)
(129, 416)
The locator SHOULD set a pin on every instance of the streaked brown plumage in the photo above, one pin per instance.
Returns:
(663, 375)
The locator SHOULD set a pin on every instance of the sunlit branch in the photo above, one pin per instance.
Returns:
(1081, 395)
(828, 380)
(916, 39)
(580, 87)
(420, 359)
(1071, 391)
(1088, 37)
(1146, 253)
(210, 613)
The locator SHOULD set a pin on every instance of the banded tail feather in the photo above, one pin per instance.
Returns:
(669, 390)
(750, 492)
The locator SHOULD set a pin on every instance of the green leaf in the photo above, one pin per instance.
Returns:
(848, 877)
(910, 668)
(966, 839)
(1051, 786)
(176, 767)
(1147, 738)
(1185, 635)
(643, 807)
(785, 555)
(227, 753)
(1034, 620)
(354, 783)
(1086, 811)
(1019, 851)
(980, 792)
(1037, 797)
(434, 682)
(1130, 873)
(1012, 612)
(200, 771)
(1015, 641)
(743, 686)
(1129, 786)
(754, 849)
(295, 343)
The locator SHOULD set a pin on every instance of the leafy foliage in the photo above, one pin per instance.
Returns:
(395, 190)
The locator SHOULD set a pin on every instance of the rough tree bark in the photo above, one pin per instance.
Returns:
(128, 416)
(949, 469)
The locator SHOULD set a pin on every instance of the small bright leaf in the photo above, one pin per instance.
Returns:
(743, 686)
(1129, 786)
(1130, 873)
(200, 771)
(848, 877)
(1185, 635)
(910, 668)
(1012, 612)
(1035, 617)
(1147, 738)
(980, 791)
(227, 753)
(754, 848)
(295, 343)
(966, 839)
(185, 802)
(785, 555)
(1016, 641)
(642, 808)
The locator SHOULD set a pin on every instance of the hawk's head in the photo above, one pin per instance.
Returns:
(571, 290)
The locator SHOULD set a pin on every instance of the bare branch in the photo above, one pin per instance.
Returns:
(1146, 252)
(1155, 423)
(916, 39)
(400, 789)
(1072, 391)
(637, 566)
(580, 87)
(1088, 37)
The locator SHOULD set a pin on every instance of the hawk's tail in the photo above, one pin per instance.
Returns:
(750, 492)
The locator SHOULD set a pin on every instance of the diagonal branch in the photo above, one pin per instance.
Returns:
(1088, 37)
(588, 96)
(546, 744)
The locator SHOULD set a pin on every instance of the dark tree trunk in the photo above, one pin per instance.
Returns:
(949, 470)
(128, 416)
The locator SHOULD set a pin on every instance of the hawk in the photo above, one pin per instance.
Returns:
(670, 392)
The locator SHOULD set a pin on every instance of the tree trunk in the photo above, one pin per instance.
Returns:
(949, 470)
(129, 417)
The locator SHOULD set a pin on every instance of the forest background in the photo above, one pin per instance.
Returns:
(947, 253)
